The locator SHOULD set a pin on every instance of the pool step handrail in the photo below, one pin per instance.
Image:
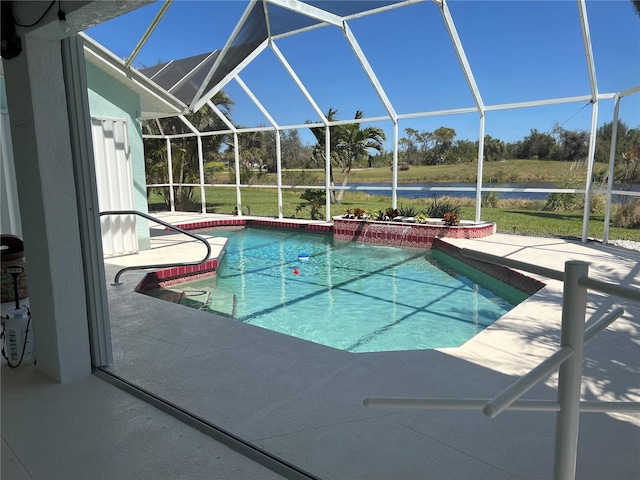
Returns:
(116, 281)
(568, 358)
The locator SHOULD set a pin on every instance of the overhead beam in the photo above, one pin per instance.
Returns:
(309, 11)
(148, 32)
(197, 99)
(366, 66)
(298, 82)
(462, 56)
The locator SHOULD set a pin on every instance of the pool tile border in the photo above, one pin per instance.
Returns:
(400, 234)
(325, 228)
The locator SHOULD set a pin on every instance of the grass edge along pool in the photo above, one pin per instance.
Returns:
(351, 296)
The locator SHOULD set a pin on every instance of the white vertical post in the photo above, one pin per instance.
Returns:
(612, 163)
(279, 171)
(591, 68)
(590, 158)
(327, 171)
(480, 165)
(172, 198)
(203, 196)
(236, 155)
(570, 373)
(394, 185)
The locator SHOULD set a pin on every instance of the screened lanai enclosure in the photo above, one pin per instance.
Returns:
(270, 102)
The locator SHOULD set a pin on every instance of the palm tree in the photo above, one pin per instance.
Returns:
(318, 152)
(354, 146)
(348, 144)
(185, 150)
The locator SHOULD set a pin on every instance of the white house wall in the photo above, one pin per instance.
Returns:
(110, 99)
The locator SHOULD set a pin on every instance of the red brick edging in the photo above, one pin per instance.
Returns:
(400, 234)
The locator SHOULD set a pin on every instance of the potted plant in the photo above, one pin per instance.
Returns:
(451, 218)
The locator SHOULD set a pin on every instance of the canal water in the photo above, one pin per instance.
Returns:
(430, 190)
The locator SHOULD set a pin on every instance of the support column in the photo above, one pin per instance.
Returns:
(47, 195)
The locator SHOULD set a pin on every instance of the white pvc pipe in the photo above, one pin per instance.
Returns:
(457, 404)
(518, 388)
(604, 322)
(574, 309)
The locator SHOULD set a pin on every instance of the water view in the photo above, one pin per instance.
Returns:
(459, 190)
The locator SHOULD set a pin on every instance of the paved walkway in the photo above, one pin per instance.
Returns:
(303, 401)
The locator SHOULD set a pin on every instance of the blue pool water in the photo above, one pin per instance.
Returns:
(351, 296)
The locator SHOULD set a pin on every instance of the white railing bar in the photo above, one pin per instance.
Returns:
(630, 293)
(599, 325)
(610, 407)
(526, 382)
(479, 403)
(458, 404)
(628, 193)
(532, 190)
(507, 262)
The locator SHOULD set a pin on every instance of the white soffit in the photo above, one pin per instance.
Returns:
(155, 102)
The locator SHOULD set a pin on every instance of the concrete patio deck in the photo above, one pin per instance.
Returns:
(303, 402)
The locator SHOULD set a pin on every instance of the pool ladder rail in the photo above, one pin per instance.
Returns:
(116, 281)
(225, 300)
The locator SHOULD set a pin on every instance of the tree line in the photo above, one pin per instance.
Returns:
(440, 146)
(351, 146)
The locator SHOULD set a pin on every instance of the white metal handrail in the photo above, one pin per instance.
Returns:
(116, 281)
(569, 358)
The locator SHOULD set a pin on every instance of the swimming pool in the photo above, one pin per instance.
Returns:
(350, 296)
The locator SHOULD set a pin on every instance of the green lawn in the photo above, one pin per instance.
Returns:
(507, 171)
(509, 216)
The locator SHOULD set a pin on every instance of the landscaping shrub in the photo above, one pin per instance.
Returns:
(438, 208)
(627, 214)
(565, 202)
(407, 210)
(598, 203)
(490, 199)
(314, 200)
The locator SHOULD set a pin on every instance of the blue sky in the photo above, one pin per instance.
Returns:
(518, 50)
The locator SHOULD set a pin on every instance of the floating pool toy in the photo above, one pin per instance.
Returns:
(303, 256)
(296, 271)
